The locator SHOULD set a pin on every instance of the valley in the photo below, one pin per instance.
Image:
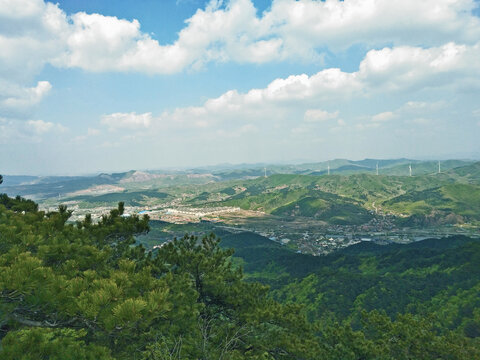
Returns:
(304, 208)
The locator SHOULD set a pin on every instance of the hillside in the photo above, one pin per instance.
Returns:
(351, 199)
(469, 173)
(40, 188)
(351, 195)
(52, 186)
(453, 203)
(436, 276)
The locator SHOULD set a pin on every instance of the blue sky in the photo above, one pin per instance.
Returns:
(93, 86)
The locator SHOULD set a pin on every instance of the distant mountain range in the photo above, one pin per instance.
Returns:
(347, 196)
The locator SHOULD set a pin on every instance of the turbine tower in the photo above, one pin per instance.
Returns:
(328, 168)
(265, 170)
(377, 168)
(439, 169)
(410, 169)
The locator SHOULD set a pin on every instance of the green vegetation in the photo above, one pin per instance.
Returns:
(86, 291)
(349, 196)
(466, 174)
(424, 200)
(433, 284)
(132, 198)
(448, 204)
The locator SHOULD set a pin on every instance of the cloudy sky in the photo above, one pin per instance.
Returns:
(111, 85)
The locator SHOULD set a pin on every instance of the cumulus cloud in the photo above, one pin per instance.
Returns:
(288, 30)
(225, 31)
(404, 67)
(34, 33)
(339, 24)
(449, 66)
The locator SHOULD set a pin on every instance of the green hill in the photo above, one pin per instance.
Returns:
(131, 198)
(422, 167)
(450, 203)
(349, 199)
(432, 276)
(469, 173)
(327, 207)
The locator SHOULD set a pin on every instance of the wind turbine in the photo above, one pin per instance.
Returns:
(439, 169)
(328, 168)
(265, 170)
(410, 169)
(377, 168)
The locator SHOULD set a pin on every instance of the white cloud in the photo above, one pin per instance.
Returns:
(34, 33)
(384, 116)
(13, 131)
(90, 133)
(386, 71)
(307, 24)
(127, 121)
(371, 79)
(318, 115)
(16, 100)
(105, 43)
(412, 112)
(404, 68)
(39, 127)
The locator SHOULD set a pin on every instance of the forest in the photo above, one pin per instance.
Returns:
(88, 291)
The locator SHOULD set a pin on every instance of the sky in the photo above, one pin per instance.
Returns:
(113, 85)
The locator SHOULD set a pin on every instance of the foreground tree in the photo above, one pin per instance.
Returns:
(65, 287)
